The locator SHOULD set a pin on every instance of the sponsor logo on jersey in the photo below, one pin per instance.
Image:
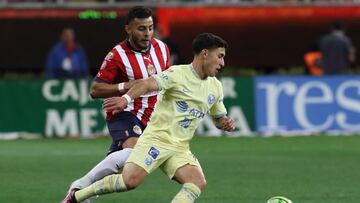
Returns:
(148, 160)
(185, 123)
(153, 152)
(181, 106)
(137, 130)
(147, 58)
(211, 98)
(197, 113)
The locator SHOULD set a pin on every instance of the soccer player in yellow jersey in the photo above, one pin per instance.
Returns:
(188, 92)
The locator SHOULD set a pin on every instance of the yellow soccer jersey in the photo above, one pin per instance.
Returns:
(184, 101)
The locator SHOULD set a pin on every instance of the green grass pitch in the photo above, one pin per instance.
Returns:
(316, 169)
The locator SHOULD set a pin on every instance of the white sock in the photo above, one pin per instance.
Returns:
(110, 165)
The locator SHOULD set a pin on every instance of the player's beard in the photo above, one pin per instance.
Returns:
(140, 44)
(144, 44)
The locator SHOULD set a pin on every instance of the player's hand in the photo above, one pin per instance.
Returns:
(228, 124)
(114, 104)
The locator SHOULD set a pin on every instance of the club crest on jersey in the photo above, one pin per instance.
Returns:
(148, 161)
(137, 130)
(181, 106)
(211, 98)
(109, 56)
(153, 152)
(151, 69)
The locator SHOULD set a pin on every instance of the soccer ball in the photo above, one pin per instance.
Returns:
(279, 199)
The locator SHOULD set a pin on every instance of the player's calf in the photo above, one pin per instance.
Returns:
(109, 184)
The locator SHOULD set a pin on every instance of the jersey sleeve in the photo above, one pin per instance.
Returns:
(167, 79)
(218, 110)
(111, 67)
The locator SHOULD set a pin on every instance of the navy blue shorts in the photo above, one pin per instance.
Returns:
(122, 127)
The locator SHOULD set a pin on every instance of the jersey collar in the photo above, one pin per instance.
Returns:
(194, 72)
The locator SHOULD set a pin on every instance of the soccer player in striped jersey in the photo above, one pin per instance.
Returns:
(188, 92)
(140, 56)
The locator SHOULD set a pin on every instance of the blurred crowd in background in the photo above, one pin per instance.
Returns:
(64, 40)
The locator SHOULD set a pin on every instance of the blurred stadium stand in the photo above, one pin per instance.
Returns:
(264, 34)
(126, 3)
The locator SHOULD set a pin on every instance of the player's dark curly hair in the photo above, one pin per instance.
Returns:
(207, 41)
(138, 12)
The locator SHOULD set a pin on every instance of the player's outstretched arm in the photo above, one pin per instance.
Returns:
(118, 104)
(224, 123)
(106, 90)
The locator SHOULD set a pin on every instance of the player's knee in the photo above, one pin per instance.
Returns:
(201, 183)
(132, 182)
(132, 179)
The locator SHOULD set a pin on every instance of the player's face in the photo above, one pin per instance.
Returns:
(140, 32)
(214, 61)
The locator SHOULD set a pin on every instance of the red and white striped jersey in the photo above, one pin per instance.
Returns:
(123, 63)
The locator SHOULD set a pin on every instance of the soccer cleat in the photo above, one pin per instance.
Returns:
(70, 196)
